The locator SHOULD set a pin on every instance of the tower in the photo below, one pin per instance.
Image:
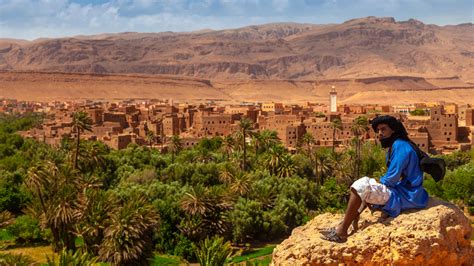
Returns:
(333, 100)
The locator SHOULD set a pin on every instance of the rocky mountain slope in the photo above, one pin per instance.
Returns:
(359, 48)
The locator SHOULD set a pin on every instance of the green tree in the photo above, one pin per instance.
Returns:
(359, 127)
(27, 230)
(273, 158)
(213, 251)
(175, 146)
(247, 220)
(150, 137)
(128, 235)
(287, 167)
(228, 145)
(245, 125)
(336, 125)
(265, 139)
(81, 122)
(56, 190)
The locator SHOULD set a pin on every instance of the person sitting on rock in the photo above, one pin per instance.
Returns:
(399, 189)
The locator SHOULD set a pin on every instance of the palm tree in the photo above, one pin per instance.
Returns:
(94, 208)
(226, 173)
(265, 194)
(359, 127)
(336, 124)
(80, 122)
(322, 164)
(205, 211)
(308, 141)
(287, 167)
(268, 138)
(129, 232)
(273, 158)
(228, 144)
(162, 133)
(195, 201)
(56, 188)
(93, 156)
(245, 126)
(150, 137)
(212, 252)
(175, 146)
(241, 183)
(341, 167)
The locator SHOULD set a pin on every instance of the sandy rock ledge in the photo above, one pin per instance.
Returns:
(437, 235)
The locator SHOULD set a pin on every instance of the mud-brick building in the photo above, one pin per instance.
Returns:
(117, 117)
(119, 141)
(211, 124)
(443, 127)
(96, 114)
(276, 108)
(289, 128)
(469, 116)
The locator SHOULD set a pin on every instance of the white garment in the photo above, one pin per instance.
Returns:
(371, 191)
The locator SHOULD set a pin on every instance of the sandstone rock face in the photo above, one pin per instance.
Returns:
(437, 235)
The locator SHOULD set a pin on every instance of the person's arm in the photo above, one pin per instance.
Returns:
(399, 161)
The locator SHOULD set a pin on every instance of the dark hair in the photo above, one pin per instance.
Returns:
(393, 123)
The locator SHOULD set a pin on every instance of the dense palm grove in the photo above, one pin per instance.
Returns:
(121, 207)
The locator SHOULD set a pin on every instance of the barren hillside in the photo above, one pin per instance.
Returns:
(359, 48)
(382, 90)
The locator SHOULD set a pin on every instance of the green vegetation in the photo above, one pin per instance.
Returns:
(256, 253)
(166, 260)
(213, 251)
(121, 207)
(419, 112)
(15, 259)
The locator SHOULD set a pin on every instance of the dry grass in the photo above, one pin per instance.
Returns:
(38, 254)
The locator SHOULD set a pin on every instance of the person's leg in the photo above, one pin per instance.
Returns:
(352, 213)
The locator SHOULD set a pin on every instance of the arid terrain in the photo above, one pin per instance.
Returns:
(382, 90)
(368, 60)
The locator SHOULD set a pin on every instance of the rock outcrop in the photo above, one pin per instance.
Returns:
(437, 235)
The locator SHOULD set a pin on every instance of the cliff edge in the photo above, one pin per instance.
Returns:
(437, 235)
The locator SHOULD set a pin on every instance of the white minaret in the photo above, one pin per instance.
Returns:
(333, 100)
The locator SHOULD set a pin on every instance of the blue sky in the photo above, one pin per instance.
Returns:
(30, 19)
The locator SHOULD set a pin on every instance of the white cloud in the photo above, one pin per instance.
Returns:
(280, 5)
(54, 18)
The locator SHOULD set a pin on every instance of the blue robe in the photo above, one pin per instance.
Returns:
(404, 178)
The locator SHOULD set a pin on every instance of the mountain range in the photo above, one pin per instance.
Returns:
(359, 48)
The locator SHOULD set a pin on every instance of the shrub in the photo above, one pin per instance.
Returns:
(26, 229)
(247, 219)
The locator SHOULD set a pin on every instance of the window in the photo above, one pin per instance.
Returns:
(448, 139)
